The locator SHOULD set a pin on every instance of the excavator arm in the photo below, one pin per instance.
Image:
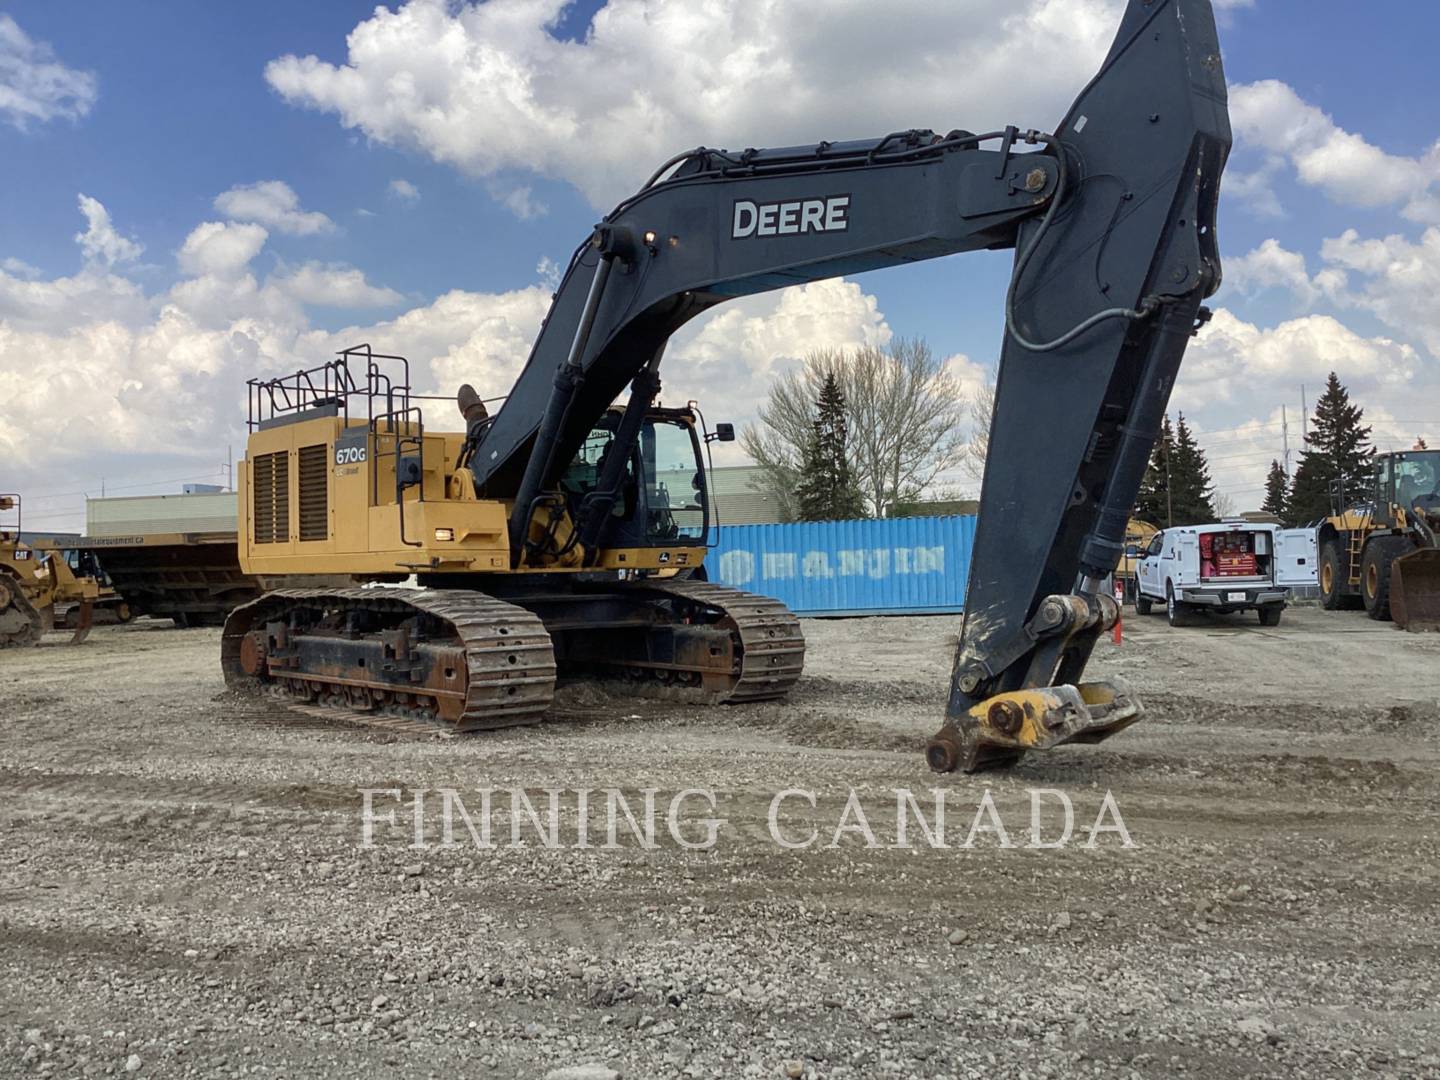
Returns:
(1112, 218)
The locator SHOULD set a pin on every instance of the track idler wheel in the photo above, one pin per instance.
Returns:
(997, 732)
(253, 653)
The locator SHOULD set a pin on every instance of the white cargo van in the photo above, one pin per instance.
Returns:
(1224, 567)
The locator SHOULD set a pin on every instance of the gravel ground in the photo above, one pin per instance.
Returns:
(187, 892)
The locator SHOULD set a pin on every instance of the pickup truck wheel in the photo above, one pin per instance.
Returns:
(1270, 614)
(1174, 609)
(1143, 603)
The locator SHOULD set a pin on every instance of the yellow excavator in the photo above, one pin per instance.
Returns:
(564, 534)
(33, 582)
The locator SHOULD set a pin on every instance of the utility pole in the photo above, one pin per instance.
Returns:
(1169, 500)
(1285, 441)
(1304, 414)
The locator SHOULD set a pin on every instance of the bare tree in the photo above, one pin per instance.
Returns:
(787, 419)
(1224, 504)
(981, 409)
(905, 417)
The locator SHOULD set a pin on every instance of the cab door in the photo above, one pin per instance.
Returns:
(1149, 569)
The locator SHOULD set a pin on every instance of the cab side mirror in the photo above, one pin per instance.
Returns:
(722, 433)
(1132, 552)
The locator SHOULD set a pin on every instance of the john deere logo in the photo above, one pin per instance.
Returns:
(794, 218)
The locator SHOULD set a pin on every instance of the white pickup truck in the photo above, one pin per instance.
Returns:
(1224, 567)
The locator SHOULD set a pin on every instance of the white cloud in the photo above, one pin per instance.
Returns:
(1237, 375)
(404, 190)
(520, 201)
(35, 85)
(1350, 170)
(1235, 361)
(1272, 266)
(549, 272)
(1398, 280)
(489, 87)
(165, 372)
(479, 338)
(1256, 189)
(272, 203)
(100, 242)
(19, 268)
(334, 286)
(728, 358)
(221, 249)
(92, 296)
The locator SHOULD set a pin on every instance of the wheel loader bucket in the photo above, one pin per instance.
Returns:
(1415, 590)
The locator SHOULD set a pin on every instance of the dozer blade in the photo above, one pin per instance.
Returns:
(1415, 590)
(997, 732)
(83, 621)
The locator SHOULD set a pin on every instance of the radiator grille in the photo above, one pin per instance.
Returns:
(314, 505)
(270, 490)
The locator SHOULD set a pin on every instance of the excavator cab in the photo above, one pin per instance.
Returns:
(661, 497)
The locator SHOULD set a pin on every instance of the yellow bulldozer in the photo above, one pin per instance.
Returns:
(34, 583)
(1379, 547)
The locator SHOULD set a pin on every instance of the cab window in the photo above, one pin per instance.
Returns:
(675, 499)
(1156, 543)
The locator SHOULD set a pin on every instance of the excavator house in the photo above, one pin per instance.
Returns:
(564, 535)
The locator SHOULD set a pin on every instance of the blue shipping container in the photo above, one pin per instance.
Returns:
(890, 566)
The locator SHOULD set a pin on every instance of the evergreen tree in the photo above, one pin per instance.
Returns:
(827, 490)
(1337, 448)
(1191, 489)
(1153, 502)
(1275, 485)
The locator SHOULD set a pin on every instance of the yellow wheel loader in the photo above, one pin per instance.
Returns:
(32, 582)
(564, 536)
(1381, 550)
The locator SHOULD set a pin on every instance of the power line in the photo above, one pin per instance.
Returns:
(123, 487)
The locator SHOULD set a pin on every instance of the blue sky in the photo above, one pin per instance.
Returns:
(182, 108)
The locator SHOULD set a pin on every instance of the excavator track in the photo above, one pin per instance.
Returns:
(21, 625)
(398, 658)
(729, 646)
